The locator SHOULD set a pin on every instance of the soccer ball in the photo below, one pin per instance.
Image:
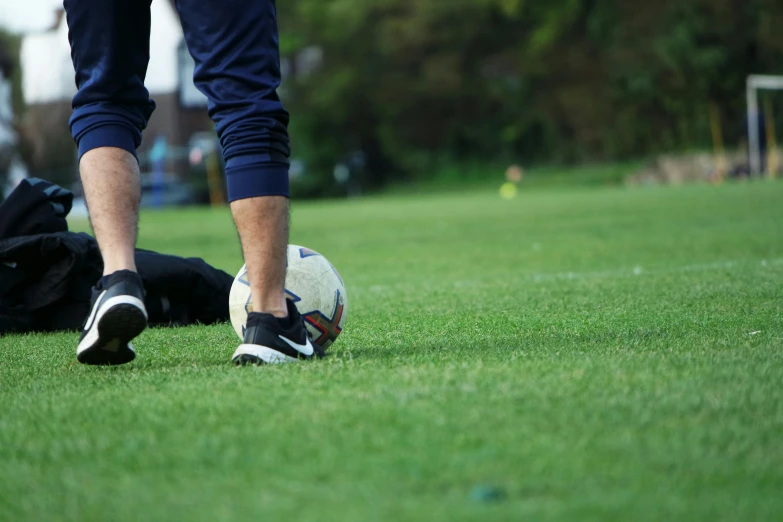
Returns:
(314, 286)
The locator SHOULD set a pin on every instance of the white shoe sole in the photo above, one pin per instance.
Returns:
(257, 354)
(118, 320)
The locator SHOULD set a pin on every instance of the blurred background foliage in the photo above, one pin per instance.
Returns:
(406, 90)
(418, 84)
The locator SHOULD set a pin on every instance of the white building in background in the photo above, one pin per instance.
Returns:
(48, 74)
(48, 85)
(47, 70)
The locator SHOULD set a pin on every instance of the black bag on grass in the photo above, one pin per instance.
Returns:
(47, 273)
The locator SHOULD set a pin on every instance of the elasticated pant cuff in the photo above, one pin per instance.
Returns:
(250, 177)
(109, 135)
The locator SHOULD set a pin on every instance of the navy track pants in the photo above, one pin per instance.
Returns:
(234, 44)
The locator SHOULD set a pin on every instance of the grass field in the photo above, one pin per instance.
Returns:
(575, 354)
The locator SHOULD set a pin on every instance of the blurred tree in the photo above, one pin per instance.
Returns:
(414, 82)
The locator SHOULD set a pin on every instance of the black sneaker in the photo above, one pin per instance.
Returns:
(118, 315)
(267, 341)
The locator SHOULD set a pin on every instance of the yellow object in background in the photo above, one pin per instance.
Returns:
(508, 190)
(214, 179)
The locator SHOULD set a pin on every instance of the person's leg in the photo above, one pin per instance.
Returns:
(262, 223)
(235, 46)
(112, 188)
(110, 50)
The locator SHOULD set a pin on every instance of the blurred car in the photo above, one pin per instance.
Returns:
(170, 193)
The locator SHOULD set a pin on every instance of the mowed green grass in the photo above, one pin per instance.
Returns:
(590, 354)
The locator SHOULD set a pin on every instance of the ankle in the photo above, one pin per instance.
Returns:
(271, 306)
(110, 267)
(278, 313)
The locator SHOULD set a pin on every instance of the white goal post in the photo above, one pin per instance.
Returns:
(755, 83)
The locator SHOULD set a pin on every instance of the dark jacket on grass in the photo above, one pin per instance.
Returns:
(46, 272)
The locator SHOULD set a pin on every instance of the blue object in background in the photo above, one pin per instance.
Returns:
(158, 159)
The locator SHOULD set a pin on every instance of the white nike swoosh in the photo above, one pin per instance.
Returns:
(94, 312)
(304, 349)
